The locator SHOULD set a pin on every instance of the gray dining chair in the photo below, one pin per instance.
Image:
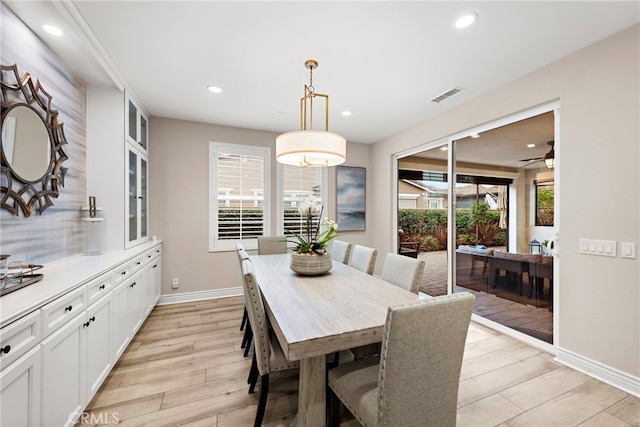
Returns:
(268, 245)
(248, 333)
(403, 271)
(415, 380)
(340, 251)
(268, 355)
(363, 258)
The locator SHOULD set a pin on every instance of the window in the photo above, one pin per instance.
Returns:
(544, 202)
(239, 183)
(294, 185)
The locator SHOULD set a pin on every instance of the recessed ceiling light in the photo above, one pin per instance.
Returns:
(52, 30)
(444, 148)
(465, 20)
(214, 89)
(474, 135)
(531, 145)
(347, 113)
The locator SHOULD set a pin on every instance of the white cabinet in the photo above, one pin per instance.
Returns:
(20, 387)
(136, 302)
(137, 203)
(63, 362)
(136, 128)
(100, 354)
(136, 177)
(121, 332)
(18, 337)
(55, 357)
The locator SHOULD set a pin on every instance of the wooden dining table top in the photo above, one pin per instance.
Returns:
(318, 315)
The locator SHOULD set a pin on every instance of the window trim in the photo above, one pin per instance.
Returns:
(238, 149)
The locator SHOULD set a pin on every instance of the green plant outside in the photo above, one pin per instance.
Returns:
(478, 226)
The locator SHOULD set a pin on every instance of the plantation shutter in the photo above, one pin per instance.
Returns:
(239, 179)
(299, 183)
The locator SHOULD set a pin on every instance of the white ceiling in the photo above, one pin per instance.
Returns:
(383, 61)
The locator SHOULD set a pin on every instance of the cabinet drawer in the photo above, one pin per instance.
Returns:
(65, 308)
(151, 254)
(121, 273)
(98, 288)
(137, 263)
(19, 337)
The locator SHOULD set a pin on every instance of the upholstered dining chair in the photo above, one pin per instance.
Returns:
(268, 245)
(248, 333)
(340, 251)
(415, 380)
(403, 271)
(363, 258)
(268, 355)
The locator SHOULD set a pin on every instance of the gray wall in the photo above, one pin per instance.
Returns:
(179, 200)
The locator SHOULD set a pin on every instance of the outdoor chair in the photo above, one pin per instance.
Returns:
(410, 249)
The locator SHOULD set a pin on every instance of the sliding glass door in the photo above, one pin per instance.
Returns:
(482, 207)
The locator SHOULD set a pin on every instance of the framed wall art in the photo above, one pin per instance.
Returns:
(351, 198)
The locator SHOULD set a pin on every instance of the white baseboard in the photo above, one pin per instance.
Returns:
(200, 295)
(612, 376)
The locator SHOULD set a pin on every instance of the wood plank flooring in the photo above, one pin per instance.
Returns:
(185, 368)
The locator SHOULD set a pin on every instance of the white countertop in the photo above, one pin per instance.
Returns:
(62, 276)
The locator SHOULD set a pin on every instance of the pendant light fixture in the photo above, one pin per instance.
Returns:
(309, 147)
(550, 157)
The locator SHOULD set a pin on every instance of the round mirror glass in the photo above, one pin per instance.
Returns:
(25, 143)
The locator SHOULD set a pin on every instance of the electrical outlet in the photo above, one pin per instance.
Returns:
(175, 283)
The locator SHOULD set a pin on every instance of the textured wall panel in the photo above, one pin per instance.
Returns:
(57, 232)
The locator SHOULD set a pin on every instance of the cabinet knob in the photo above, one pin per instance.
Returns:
(101, 286)
(133, 284)
(155, 266)
(68, 308)
(140, 197)
(123, 273)
(92, 319)
(138, 263)
(86, 324)
(6, 349)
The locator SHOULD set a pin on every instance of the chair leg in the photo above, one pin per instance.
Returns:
(333, 408)
(246, 339)
(262, 404)
(253, 375)
(245, 318)
(249, 334)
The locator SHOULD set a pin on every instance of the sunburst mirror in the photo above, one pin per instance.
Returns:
(31, 143)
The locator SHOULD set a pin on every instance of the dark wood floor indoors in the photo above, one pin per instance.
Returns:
(185, 367)
(522, 314)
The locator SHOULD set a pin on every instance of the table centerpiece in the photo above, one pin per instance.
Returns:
(310, 256)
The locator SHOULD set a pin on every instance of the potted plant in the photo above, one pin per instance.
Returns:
(310, 255)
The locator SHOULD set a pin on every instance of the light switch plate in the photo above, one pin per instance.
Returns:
(627, 250)
(598, 247)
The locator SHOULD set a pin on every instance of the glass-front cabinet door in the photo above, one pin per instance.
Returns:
(137, 208)
(136, 137)
(136, 132)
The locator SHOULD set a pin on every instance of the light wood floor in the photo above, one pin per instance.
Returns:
(185, 367)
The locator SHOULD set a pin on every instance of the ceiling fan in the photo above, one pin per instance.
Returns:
(548, 159)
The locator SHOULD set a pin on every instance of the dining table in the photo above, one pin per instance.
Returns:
(315, 316)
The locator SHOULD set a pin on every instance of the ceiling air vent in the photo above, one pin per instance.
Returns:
(447, 94)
